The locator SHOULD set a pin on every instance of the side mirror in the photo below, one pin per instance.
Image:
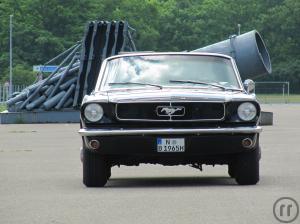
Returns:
(249, 86)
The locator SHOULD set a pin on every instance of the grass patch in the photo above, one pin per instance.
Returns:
(278, 98)
(2, 107)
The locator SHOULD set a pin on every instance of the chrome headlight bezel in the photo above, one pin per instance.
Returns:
(93, 112)
(247, 111)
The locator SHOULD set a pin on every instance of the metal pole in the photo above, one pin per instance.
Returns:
(10, 54)
(283, 92)
(288, 91)
(239, 29)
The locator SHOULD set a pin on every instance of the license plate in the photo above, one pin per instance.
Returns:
(170, 145)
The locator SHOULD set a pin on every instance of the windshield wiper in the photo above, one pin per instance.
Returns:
(196, 82)
(134, 83)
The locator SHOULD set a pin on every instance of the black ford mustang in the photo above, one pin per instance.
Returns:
(170, 109)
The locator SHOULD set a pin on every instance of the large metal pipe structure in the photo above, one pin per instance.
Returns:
(71, 72)
(36, 103)
(248, 50)
(65, 97)
(18, 98)
(62, 77)
(54, 100)
(49, 77)
(77, 71)
(67, 83)
(68, 103)
(63, 53)
(49, 90)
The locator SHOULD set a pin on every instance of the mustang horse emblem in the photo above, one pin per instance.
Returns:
(169, 111)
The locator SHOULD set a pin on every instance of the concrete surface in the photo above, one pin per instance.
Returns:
(40, 181)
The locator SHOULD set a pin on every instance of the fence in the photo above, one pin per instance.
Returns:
(275, 92)
(4, 91)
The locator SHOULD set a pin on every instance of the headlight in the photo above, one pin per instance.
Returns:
(247, 111)
(93, 112)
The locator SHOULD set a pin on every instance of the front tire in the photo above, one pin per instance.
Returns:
(95, 169)
(246, 171)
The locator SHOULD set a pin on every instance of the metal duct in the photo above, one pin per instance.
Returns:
(248, 50)
(75, 76)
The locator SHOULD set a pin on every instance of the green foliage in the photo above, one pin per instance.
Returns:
(286, 71)
(23, 75)
(2, 107)
(44, 28)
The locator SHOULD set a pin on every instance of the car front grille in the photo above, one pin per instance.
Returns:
(174, 111)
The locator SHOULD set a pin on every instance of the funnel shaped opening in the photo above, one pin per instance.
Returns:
(263, 53)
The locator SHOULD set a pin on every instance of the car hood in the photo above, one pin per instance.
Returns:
(169, 95)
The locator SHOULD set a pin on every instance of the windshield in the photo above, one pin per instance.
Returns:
(183, 71)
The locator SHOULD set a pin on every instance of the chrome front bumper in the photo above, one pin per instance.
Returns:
(171, 131)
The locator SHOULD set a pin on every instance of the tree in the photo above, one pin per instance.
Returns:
(44, 28)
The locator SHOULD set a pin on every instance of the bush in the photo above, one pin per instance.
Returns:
(22, 75)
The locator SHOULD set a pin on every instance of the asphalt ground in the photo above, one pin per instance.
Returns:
(41, 181)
